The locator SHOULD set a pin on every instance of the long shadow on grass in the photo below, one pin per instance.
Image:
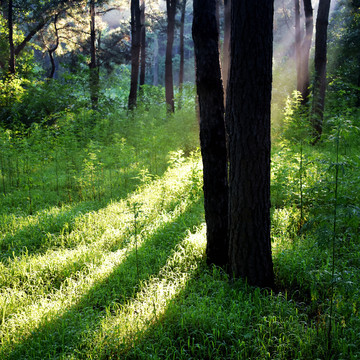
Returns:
(38, 238)
(62, 335)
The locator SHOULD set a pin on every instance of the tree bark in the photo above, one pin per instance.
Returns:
(248, 123)
(182, 55)
(135, 52)
(226, 46)
(143, 44)
(309, 24)
(319, 89)
(11, 38)
(212, 129)
(94, 71)
(169, 83)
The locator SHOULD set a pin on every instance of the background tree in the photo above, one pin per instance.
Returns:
(305, 50)
(93, 66)
(212, 129)
(182, 56)
(170, 31)
(11, 38)
(135, 51)
(226, 46)
(319, 88)
(248, 123)
(143, 44)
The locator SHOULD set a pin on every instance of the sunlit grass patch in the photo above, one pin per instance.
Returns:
(98, 264)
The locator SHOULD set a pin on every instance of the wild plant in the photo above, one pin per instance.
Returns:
(295, 136)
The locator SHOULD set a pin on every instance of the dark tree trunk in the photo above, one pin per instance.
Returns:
(135, 52)
(11, 38)
(248, 122)
(226, 46)
(53, 49)
(298, 52)
(94, 71)
(309, 24)
(169, 83)
(143, 44)
(320, 68)
(182, 56)
(212, 129)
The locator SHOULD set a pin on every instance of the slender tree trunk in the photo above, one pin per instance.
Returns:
(94, 71)
(135, 52)
(52, 50)
(298, 52)
(143, 44)
(319, 89)
(309, 24)
(226, 46)
(169, 83)
(11, 38)
(212, 129)
(248, 123)
(182, 57)
(156, 61)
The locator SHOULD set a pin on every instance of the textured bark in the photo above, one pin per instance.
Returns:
(309, 24)
(11, 38)
(212, 129)
(248, 122)
(169, 82)
(135, 52)
(226, 46)
(94, 71)
(182, 56)
(320, 68)
(143, 44)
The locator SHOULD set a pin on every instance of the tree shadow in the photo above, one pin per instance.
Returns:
(62, 335)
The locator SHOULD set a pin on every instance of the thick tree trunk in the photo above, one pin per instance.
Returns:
(182, 55)
(94, 71)
(248, 122)
(319, 89)
(212, 129)
(143, 44)
(169, 83)
(135, 52)
(11, 38)
(309, 24)
(226, 46)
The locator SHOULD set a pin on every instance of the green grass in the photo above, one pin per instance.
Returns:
(110, 261)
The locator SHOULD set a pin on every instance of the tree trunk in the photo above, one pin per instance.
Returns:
(169, 83)
(226, 46)
(143, 44)
(11, 38)
(182, 57)
(212, 129)
(248, 123)
(298, 52)
(309, 24)
(135, 52)
(156, 61)
(320, 68)
(94, 71)
(53, 49)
